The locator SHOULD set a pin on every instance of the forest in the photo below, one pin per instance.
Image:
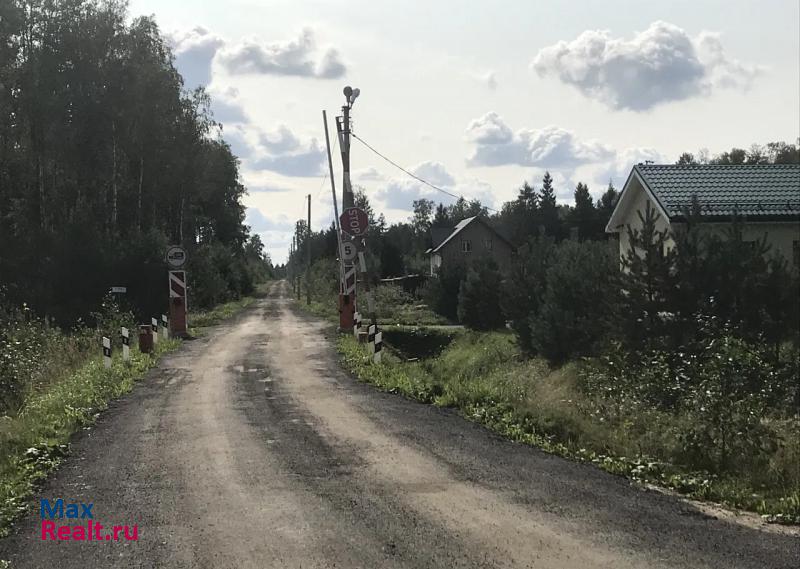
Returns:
(106, 160)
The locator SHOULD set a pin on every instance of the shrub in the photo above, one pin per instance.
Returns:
(441, 293)
(578, 303)
(479, 297)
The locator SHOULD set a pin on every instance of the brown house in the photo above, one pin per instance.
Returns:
(473, 238)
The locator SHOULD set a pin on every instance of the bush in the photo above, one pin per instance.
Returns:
(441, 293)
(523, 289)
(479, 297)
(579, 301)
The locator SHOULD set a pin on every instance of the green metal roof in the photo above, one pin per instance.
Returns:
(763, 190)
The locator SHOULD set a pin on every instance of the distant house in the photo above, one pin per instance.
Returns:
(765, 196)
(471, 239)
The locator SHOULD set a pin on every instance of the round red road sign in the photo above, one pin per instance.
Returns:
(354, 221)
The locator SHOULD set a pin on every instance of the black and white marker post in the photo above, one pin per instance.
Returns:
(154, 324)
(377, 347)
(165, 326)
(375, 339)
(107, 352)
(126, 344)
(356, 324)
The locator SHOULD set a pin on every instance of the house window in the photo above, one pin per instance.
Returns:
(466, 245)
(487, 243)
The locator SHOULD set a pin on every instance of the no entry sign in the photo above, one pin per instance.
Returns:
(354, 221)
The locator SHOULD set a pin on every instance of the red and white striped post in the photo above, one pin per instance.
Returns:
(177, 303)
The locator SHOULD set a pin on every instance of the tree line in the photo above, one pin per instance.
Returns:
(105, 160)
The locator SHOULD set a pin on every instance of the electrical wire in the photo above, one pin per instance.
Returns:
(396, 165)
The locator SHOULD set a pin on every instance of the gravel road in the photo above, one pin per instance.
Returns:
(250, 447)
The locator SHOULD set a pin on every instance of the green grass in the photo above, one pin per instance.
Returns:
(205, 318)
(35, 440)
(484, 376)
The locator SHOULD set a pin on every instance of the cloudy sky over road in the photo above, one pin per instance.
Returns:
(479, 96)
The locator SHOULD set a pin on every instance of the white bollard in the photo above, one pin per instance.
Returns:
(356, 324)
(371, 339)
(107, 352)
(377, 347)
(165, 326)
(154, 324)
(126, 344)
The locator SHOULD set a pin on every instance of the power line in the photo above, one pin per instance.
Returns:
(396, 165)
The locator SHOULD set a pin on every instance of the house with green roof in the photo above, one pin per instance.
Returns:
(765, 196)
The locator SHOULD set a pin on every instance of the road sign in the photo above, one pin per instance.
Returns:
(349, 250)
(176, 257)
(354, 221)
(119, 289)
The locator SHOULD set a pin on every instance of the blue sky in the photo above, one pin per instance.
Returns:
(480, 96)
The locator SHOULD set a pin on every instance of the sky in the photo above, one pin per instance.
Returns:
(479, 96)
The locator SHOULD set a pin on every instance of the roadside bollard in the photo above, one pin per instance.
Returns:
(371, 339)
(377, 347)
(356, 324)
(154, 324)
(126, 344)
(145, 338)
(165, 326)
(107, 352)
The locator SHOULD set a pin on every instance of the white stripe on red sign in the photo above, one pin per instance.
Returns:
(177, 284)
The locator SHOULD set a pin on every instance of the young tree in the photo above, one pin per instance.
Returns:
(646, 279)
(548, 208)
(479, 297)
(584, 215)
(579, 304)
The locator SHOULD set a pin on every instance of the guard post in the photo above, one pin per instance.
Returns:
(126, 344)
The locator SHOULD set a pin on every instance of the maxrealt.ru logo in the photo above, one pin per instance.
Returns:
(88, 530)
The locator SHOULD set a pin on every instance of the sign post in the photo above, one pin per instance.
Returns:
(177, 324)
(178, 321)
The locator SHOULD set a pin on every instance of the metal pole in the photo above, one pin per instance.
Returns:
(335, 204)
(308, 253)
(347, 189)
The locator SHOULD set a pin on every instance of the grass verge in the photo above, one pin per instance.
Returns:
(482, 375)
(35, 441)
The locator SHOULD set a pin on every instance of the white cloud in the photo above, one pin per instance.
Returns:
(367, 175)
(298, 57)
(194, 51)
(261, 223)
(661, 64)
(226, 106)
(552, 147)
(280, 151)
(399, 193)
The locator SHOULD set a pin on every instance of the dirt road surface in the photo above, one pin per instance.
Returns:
(250, 448)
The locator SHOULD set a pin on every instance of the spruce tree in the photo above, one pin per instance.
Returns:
(647, 280)
(548, 208)
(584, 215)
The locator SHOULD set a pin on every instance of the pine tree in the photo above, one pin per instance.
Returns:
(647, 279)
(548, 207)
(584, 215)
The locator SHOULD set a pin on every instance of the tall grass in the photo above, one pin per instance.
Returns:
(484, 376)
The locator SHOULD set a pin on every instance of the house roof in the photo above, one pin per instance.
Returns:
(762, 191)
(439, 234)
(460, 227)
(723, 190)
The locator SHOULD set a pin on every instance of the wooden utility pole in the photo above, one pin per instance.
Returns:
(308, 253)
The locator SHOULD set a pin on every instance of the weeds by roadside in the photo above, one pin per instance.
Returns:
(525, 400)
